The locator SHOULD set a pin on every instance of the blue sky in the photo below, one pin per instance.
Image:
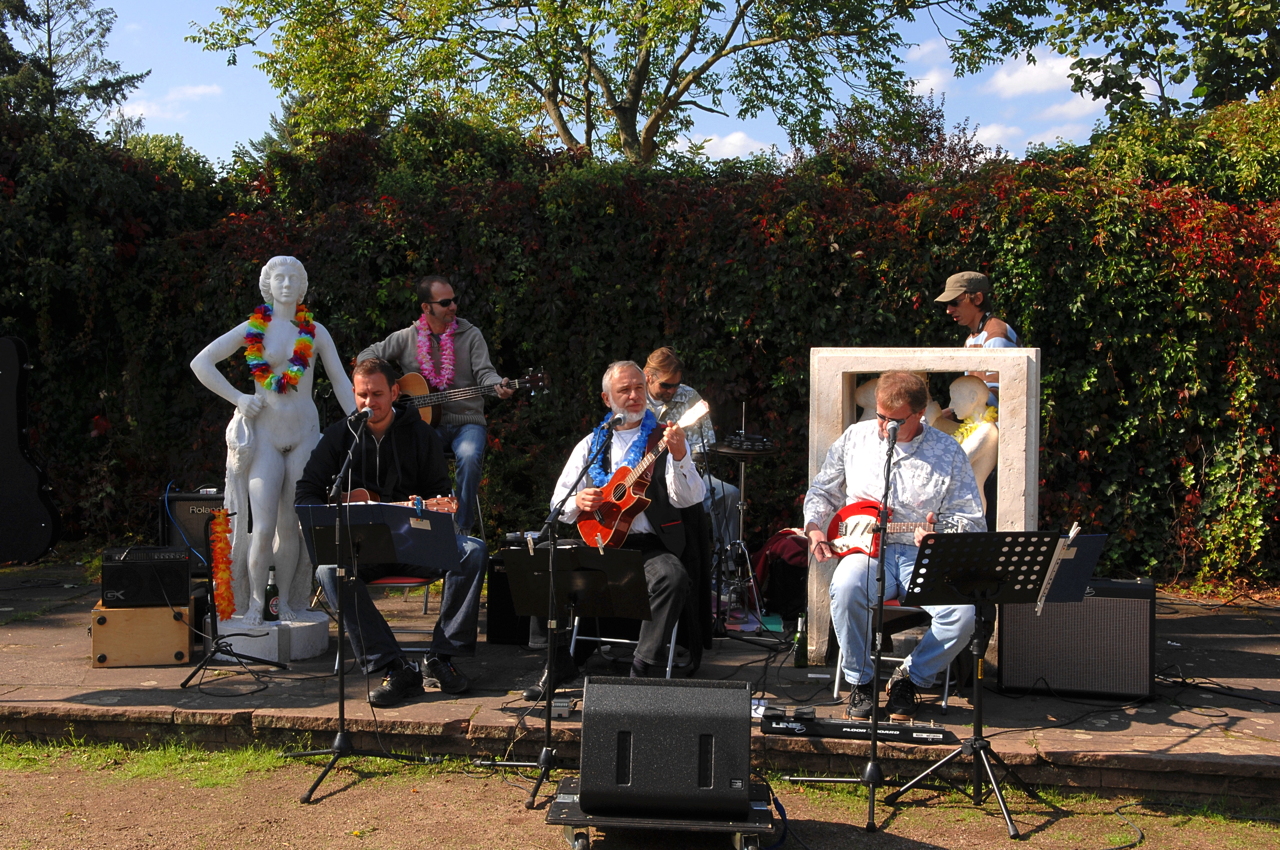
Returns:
(214, 106)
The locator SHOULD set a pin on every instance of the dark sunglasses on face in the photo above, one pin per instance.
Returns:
(887, 419)
(667, 386)
(444, 302)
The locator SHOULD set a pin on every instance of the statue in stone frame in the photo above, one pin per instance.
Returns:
(271, 435)
(977, 431)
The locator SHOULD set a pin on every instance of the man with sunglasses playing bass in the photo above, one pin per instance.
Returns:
(931, 482)
(450, 353)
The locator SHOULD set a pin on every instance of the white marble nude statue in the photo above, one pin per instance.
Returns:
(271, 435)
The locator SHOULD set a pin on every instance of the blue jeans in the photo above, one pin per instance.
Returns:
(467, 443)
(853, 607)
(455, 632)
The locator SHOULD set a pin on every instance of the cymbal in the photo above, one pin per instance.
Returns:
(726, 451)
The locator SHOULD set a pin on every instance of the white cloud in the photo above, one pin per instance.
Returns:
(1077, 107)
(998, 134)
(1017, 78)
(936, 81)
(926, 49)
(735, 144)
(173, 106)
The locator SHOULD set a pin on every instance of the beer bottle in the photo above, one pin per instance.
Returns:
(271, 607)
(802, 643)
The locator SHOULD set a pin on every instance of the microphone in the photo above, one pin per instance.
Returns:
(617, 421)
(361, 415)
(891, 431)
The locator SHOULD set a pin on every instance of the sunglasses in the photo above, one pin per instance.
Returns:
(667, 386)
(444, 302)
(887, 419)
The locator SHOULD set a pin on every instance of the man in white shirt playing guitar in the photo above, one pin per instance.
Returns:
(931, 482)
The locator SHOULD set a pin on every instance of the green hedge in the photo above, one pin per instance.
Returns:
(1151, 300)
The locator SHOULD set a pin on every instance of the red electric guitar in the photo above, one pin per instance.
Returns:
(624, 499)
(853, 529)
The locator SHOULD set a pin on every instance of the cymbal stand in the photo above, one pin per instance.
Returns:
(737, 562)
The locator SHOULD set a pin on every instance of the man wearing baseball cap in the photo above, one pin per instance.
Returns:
(969, 302)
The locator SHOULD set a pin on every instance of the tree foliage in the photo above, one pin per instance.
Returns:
(67, 39)
(623, 77)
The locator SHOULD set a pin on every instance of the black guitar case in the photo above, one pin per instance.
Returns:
(29, 523)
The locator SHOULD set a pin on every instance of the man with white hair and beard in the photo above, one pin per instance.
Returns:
(657, 532)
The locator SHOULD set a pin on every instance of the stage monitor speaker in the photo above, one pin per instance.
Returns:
(666, 748)
(146, 576)
(186, 522)
(1103, 646)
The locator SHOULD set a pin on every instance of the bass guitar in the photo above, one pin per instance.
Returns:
(624, 498)
(29, 522)
(853, 529)
(416, 392)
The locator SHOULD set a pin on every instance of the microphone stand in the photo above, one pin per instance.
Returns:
(342, 742)
(872, 774)
(547, 758)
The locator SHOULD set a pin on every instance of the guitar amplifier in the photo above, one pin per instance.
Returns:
(146, 576)
(184, 521)
(1104, 645)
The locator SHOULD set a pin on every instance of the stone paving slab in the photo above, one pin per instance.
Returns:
(1184, 740)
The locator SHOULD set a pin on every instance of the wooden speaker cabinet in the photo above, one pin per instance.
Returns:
(140, 637)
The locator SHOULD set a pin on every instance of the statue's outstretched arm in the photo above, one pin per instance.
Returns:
(333, 367)
(205, 365)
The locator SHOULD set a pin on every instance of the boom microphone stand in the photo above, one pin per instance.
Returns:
(547, 758)
(341, 746)
(872, 775)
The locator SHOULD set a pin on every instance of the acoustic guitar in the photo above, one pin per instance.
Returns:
(853, 529)
(29, 522)
(416, 392)
(439, 504)
(624, 499)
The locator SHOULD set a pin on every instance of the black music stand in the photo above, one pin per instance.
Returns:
(378, 534)
(981, 570)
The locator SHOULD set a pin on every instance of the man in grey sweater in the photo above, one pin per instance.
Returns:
(450, 354)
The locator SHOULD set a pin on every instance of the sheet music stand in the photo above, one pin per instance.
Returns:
(981, 570)
(591, 584)
(376, 533)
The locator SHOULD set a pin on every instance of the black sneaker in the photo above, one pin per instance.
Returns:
(861, 703)
(443, 675)
(903, 700)
(400, 683)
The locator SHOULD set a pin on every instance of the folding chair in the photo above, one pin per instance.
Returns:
(671, 652)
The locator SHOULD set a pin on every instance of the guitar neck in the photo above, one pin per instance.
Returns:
(432, 399)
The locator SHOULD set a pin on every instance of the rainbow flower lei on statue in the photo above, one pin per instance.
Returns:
(220, 547)
(302, 348)
(441, 379)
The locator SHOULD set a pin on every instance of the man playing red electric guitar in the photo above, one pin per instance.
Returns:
(657, 531)
(931, 483)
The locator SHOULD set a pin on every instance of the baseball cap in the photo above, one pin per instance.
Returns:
(961, 282)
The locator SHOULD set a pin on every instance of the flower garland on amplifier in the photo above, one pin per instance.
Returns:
(255, 354)
(224, 600)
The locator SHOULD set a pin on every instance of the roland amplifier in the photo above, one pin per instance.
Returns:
(146, 576)
(184, 521)
(1104, 645)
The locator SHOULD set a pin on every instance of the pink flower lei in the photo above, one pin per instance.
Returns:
(442, 378)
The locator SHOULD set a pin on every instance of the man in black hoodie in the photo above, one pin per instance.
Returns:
(399, 457)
